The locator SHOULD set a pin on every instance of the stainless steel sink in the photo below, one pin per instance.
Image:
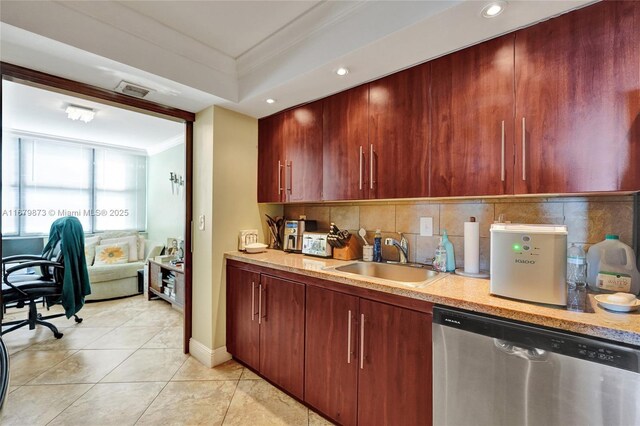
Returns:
(411, 276)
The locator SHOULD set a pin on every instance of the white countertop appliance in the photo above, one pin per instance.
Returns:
(315, 244)
(529, 262)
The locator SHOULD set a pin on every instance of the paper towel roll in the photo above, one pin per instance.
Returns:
(472, 247)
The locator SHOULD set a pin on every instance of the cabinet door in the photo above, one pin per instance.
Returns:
(303, 153)
(398, 154)
(331, 370)
(242, 315)
(155, 276)
(472, 105)
(578, 101)
(270, 159)
(394, 383)
(345, 141)
(282, 333)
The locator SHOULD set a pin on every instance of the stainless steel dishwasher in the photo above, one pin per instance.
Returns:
(490, 371)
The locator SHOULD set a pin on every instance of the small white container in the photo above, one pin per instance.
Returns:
(611, 267)
(367, 253)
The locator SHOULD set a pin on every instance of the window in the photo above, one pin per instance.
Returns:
(45, 179)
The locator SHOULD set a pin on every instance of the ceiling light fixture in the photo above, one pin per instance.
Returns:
(271, 101)
(493, 9)
(75, 112)
(342, 71)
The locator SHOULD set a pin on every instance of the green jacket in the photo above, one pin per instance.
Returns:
(68, 231)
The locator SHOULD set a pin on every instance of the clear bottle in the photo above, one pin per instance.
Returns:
(440, 260)
(377, 246)
(576, 265)
(451, 258)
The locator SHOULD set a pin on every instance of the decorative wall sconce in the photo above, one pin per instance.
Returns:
(176, 181)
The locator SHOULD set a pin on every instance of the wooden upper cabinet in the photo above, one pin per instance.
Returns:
(302, 138)
(270, 159)
(345, 140)
(578, 101)
(472, 113)
(398, 154)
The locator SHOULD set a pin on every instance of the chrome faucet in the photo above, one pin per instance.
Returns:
(402, 246)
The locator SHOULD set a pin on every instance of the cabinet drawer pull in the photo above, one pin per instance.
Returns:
(349, 339)
(260, 304)
(502, 162)
(280, 166)
(371, 166)
(361, 341)
(253, 301)
(524, 150)
(288, 180)
(360, 171)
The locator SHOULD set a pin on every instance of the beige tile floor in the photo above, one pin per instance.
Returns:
(124, 365)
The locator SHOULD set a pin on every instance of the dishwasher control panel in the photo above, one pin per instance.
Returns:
(534, 340)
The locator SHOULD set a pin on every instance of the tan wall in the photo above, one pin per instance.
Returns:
(202, 271)
(225, 189)
(588, 219)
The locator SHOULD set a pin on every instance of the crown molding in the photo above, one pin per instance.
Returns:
(165, 145)
(85, 142)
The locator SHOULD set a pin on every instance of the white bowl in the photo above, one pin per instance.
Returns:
(605, 302)
(255, 248)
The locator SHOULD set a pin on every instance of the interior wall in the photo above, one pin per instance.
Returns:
(235, 207)
(165, 200)
(225, 191)
(202, 272)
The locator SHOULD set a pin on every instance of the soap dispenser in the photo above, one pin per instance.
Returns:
(451, 258)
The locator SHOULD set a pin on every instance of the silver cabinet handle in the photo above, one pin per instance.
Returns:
(288, 182)
(360, 173)
(349, 339)
(253, 300)
(524, 150)
(280, 177)
(502, 171)
(361, 341)
(371, 166)
(260, 304)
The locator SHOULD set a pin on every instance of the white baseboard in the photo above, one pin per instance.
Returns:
(206, 356)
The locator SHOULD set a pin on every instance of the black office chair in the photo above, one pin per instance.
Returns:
(53, 284)
(4, 371)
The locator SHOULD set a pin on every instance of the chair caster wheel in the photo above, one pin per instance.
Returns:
(78, 320)
(58, 335)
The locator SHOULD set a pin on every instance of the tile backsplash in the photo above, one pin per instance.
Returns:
(588, 219)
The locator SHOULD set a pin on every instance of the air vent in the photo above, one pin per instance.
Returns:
(131, 89)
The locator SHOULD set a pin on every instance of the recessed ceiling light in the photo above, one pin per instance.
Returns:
(342, 71)
(493, 9)
(271, 101)
(75, 112)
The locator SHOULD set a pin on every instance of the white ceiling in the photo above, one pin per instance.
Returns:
(238, 53)
(30, 111)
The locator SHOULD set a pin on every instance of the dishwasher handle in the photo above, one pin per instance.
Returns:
(526, 352)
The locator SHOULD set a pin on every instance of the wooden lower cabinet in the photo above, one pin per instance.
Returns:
(394, 378)
(265, 326)
(367, 363)
(243, 328)
(282, 333)
(357, 360)
(331, 370)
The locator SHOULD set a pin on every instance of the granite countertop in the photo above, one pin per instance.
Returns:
(466, 293)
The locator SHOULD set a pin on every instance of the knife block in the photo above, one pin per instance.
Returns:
(353, 250)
